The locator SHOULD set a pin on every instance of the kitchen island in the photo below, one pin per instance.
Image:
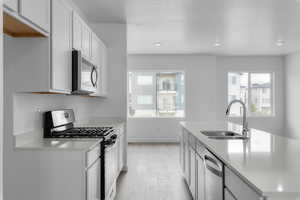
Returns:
(266, 166)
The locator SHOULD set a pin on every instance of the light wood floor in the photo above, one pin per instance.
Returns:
(153, 174)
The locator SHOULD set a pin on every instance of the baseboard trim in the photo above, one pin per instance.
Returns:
(152, 140)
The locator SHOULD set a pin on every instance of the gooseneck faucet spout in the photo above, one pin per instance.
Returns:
(245, 123)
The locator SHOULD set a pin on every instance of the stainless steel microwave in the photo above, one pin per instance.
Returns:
(84, 75)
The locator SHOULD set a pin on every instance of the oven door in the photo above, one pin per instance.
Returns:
(85, 75)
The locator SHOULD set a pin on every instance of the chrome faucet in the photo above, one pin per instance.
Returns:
(245, 123)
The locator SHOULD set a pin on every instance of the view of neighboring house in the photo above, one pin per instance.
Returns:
(156, 94)
(260, 93)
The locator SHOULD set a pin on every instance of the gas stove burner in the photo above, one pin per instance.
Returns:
(84, 132)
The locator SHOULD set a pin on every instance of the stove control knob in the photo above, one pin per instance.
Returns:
(113, 137)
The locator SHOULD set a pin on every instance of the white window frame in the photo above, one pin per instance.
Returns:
(155, 81)
(250, 114)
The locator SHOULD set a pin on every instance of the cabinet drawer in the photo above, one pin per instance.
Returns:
(93, 155)
(238, 187)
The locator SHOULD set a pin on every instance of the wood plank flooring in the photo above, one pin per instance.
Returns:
(153, 174)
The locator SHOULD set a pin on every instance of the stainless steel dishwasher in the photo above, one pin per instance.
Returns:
(213, 177)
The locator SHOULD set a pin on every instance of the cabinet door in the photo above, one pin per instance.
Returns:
(95, 50)
(187, 160)
(36, 11)
(238, 187)
(86, 41)
(200, 178)
(93, 181)
(121, 150)
(61, 46)
(104, 68)
(181, 151)
(77, 32)
(11, 5)
(193, 172)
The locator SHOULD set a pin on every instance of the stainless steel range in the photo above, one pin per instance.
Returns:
(60, 124)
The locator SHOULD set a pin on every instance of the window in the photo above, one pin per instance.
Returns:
(144, 100)
(233, 80)
(156, 94)
(144, 80)
(255, 89)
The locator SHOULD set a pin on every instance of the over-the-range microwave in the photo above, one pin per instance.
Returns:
(84, 74)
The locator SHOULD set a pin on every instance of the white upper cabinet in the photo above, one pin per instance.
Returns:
(86, 41)
(37, 12)
(61, 46)
(99, 59)
(95, 50)
(11, 5)
(77, 32)
(82, 36)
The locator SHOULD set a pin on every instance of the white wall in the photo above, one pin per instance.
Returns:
(206, 98)
(200, 94)
(292, 76)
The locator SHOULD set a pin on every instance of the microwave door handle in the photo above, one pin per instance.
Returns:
(92, 76)
(96, 81)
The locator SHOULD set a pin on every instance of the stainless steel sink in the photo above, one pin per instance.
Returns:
(223, 135)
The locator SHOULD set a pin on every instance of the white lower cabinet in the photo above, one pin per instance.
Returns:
(200, 177)
(187, 159)
(193, 172)
(93, 181)
(121, 153)
(239, 189)
(192, 164)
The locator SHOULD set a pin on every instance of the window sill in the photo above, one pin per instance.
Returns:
(155, 117)
(235, 117)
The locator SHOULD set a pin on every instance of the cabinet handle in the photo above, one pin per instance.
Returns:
(218, 171)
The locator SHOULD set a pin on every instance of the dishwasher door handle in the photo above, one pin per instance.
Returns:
(218, 171)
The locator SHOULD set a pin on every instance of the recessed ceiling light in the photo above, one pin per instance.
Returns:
(280, 43)
(157, 44)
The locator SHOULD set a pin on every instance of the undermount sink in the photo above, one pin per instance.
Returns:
(223, 135)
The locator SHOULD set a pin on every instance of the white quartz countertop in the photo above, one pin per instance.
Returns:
(58, 144)
(269, 163)
(34, 140)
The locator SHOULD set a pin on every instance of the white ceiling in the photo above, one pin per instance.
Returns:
(193, 26)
